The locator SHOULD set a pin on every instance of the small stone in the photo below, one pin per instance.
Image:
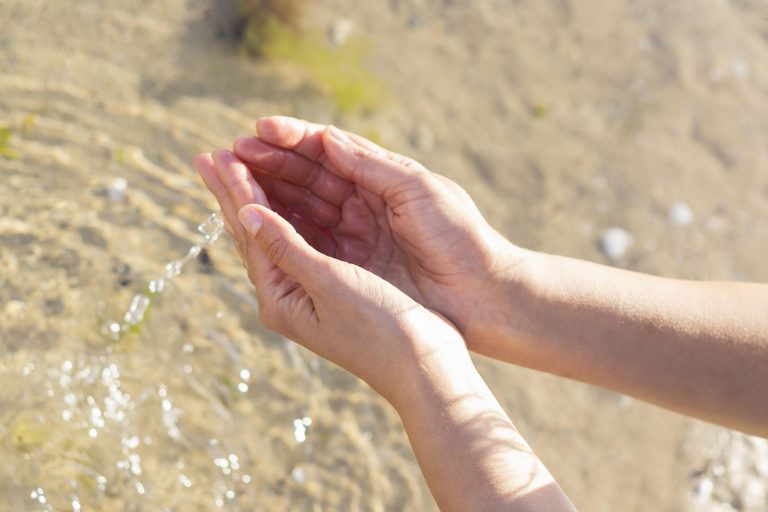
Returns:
(298, 475)
(116, 189)
(680, 214)
(91, 236)
(53, 306)
(615, 242)
(740, 68)
(14, 308)
(339, 32)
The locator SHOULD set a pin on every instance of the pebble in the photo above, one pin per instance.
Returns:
(680, 214)
(339, 32)
(116, 189)
(615, 242)
(298, 475)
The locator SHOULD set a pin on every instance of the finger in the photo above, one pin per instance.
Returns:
(206, 167)
(291, 166)
(237, 180)
(366, 164)
(284, 247)
(301, 136)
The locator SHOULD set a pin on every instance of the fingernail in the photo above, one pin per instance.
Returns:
(250, 219)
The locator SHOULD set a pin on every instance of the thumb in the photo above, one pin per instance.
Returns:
(366, 164)
(282, 245)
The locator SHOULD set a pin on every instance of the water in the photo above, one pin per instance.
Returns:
(210, 230)
(127, 384)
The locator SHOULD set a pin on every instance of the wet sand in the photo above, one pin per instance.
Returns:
(561, 118)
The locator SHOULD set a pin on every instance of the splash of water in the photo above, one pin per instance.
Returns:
(210, 230)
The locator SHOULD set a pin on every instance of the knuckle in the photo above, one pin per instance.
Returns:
(410, 163)
(276, 250)
(425, 180)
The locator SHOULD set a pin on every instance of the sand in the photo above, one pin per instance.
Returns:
(561, 118)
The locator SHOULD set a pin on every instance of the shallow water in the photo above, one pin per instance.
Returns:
(198, 406)
(195, 405)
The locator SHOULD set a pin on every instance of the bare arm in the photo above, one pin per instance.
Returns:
(471, 455)
(698, 348)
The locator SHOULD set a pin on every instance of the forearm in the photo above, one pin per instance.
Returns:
(695, 347)
(471, 455)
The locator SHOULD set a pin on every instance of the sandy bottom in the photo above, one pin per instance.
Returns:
(561, 118)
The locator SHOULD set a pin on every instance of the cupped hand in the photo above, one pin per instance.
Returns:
(382, 211)
(335, 308)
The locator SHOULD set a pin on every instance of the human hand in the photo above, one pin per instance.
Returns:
(359, 203)
(334, 308)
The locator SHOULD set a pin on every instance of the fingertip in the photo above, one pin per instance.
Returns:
(222, 156)
(264, 125)
(281, 131)
(201, 161)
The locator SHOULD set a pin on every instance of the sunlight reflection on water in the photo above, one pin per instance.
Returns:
(182, 400)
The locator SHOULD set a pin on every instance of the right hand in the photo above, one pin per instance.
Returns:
(382, 211)
(338, 310)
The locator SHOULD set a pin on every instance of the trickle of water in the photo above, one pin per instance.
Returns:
(136, 310)
(173, 269)
(210, 230)
(156, 286)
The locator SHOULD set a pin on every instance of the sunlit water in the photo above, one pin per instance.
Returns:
(131, 383)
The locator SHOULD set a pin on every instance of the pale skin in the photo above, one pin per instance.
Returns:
(391, 272)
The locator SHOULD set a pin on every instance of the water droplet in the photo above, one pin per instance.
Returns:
(156, 285)
(135, 463)
(173, 269)
(186, 482)
(300, 430)
(211, 228)
(137, 309)
(193, 252)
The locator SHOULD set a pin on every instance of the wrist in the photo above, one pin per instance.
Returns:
(500, 294)
(437, 376)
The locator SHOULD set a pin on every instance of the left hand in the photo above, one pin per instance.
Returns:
(336, 309)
